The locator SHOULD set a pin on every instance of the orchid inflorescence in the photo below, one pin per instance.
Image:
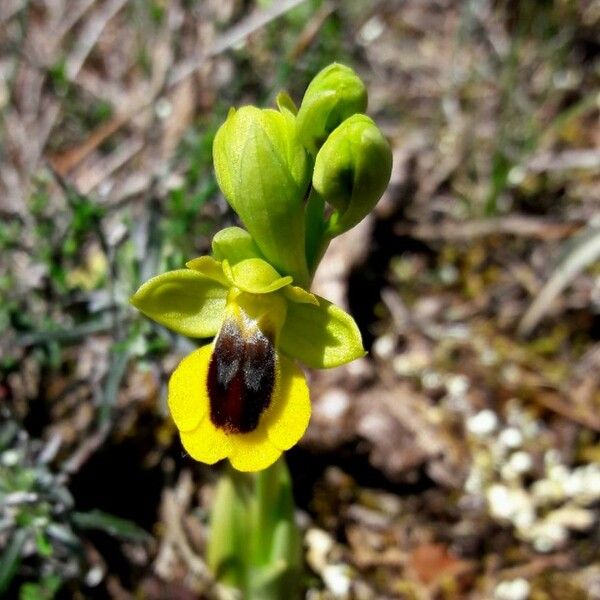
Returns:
(296, 178)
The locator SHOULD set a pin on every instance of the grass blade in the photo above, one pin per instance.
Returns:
(582, 252)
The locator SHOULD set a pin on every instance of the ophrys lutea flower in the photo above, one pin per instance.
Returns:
(244, 396)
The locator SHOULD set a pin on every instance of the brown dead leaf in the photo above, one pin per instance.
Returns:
(431, 562)
(182, 106)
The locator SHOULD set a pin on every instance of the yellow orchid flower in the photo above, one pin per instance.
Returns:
(243, 396)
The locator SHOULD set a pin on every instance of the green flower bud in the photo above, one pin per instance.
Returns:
(264, 173)
(335, 94)
(352, 170)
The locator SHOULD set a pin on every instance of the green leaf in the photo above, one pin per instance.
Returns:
(46, 589)
(43, 545)
(64, 534)
(115, 526)
(272, 582)
(234, 244)
(184, 301)
(11, 558)
(255, 276)
(321, 336)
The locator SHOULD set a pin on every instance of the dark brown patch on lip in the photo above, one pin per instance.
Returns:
(241, 378)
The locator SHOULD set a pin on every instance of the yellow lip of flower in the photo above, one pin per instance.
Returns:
(242, 396)
(238, 397)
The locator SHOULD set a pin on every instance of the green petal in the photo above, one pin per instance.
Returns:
(255, 276)
(321, 336)
(209, 267)
(184, 301)
(234, 244)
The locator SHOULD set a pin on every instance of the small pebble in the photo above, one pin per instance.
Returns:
(511, 437)
(333, 405)
(458, 385)
(431, 380)
(551, 458)
(560, 474)
(483, 423)
(337, 580)
(549, 537)
(319, 544)
(516, 175)
(521, 462)
(507, 503)
(517, 589)
(94, 576)
(572, 517)
(545, 491)
(385, 346)
(524, 519)
(10, 458)
(371, 30)
(163, 108)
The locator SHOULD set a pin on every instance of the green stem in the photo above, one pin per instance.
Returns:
(317, 238)
(255, 544)
(315, 225)
(276, 559)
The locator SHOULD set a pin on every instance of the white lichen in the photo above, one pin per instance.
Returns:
(526, 483)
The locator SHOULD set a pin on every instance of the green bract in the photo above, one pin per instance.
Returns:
(264, 173)
(335, 94)
(352, 170)
(193, 302)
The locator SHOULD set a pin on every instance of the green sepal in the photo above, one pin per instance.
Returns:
(333, 95)
(322, 336)
(209, 267)
(255, 276)
(285, 102)
(264, 173)
(294, 293)
(185, 301)
(234, 244)
(352, 170)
